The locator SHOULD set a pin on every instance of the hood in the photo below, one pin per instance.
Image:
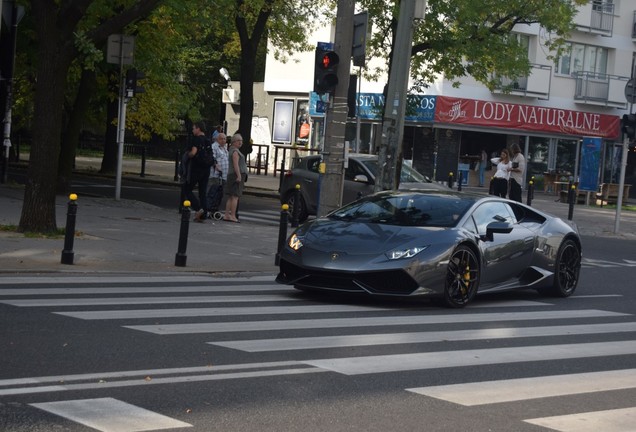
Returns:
(361, 238)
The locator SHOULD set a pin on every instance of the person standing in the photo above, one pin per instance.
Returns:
(500, 179)
(483, 161)
(218, 174)
(517, 172)
(199, 172)
(236, 176)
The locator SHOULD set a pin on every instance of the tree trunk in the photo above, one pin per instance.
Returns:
(70, 143)
(54, 59)
(248, 61)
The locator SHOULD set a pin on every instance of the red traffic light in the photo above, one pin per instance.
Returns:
(329, 59)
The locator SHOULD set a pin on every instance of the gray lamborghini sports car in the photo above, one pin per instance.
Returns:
(446, 244)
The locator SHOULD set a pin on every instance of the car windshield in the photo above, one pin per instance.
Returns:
(407, 175)
(406, 209)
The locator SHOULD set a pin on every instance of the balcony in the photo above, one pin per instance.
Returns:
(600, 89)
(535, 85)
(596, 17)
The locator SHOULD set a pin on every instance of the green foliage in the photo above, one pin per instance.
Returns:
(459, 38)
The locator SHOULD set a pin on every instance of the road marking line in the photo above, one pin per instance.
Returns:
(110, 415)
(240, 326)
(618, 420)
(340, 341)
(11, 280)
(147, 300)
(460, 358)
(505, 303)
(141, 373)
(200, 312)
(521, 389)
(156, 381)
(138, 290)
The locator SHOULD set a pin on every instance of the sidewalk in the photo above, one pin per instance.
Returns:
(131, 236)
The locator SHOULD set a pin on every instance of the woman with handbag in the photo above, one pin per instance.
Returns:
(236, 176)
(500, 179)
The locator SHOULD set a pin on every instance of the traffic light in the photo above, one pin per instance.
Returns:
(132, 85)
(325, 71)
(629, 125)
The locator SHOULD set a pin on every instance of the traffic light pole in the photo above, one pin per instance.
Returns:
(336, 116)
(390, 155)
(121, 126)
(621, 183)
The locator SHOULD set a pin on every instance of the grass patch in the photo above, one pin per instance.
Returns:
(58, 233)
(629, 207)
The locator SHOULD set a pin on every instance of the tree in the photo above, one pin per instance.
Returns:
(286, 24)
(459, 38)
(56, 26)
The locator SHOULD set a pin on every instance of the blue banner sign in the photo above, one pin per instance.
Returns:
(369, 106)
(590, 163)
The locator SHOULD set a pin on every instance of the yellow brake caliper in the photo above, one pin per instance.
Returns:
(466, 279)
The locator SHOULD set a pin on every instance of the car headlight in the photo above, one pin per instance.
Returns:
(405, 253)
(294, 242)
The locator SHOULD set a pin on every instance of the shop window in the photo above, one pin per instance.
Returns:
(566, 156)
(538, 153)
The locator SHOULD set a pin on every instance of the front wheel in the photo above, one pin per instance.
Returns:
(462, 278)
(567, 268)
(302, 207)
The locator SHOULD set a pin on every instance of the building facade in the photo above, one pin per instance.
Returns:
(547, 113)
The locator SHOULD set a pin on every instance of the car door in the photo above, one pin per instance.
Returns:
(507, 256)
(354, 189)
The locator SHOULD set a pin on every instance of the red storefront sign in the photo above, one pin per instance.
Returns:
(525, 117)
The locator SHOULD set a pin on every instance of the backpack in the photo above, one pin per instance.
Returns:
(205, 156)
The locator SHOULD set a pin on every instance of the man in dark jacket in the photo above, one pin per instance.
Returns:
(199, 172)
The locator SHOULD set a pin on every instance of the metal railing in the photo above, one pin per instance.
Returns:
(600, 88)
(603, 17)
(537, 84)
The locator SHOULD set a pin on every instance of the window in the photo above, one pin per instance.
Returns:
(492, 212)
(583, 58)
(606, 6)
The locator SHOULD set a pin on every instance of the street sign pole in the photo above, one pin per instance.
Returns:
(120, 51)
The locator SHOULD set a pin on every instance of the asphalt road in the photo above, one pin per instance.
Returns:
(245, 354)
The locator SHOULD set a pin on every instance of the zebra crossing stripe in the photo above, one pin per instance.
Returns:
(110, 415)
(146, 300)
(240, 326)
(491, 392)
(139, 290)
(340, 341)
(617, 420)
(146, 381)
(58, 280)
(200, 312)
(446, 359)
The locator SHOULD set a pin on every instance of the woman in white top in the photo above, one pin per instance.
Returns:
(500, 179)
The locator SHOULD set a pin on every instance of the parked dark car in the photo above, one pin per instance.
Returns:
(359, 180)
(450, 245)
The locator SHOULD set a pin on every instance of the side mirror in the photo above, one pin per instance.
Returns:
(496, 227)
(361, 178)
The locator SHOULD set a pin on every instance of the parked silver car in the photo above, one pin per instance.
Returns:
(359, 181)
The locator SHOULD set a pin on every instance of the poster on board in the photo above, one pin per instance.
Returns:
(283, 120)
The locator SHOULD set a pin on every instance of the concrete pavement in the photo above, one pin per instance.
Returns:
(132, 236)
